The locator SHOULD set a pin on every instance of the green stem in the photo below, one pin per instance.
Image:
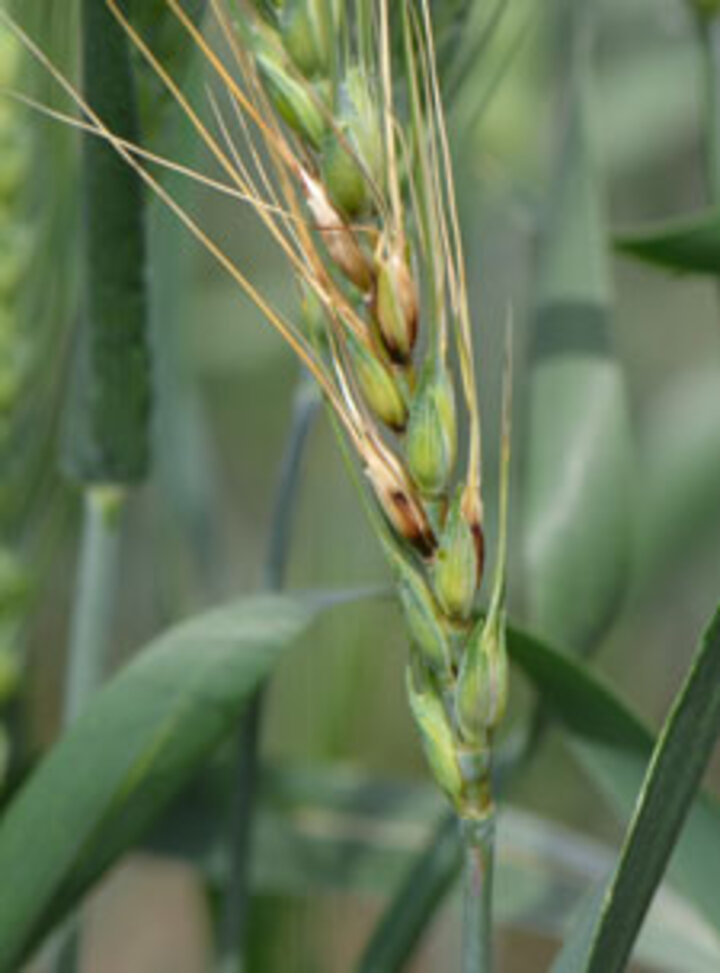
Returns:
(436, 871)
(107, 422)
(307, 400)
(710, 38)
(233, 933)
(90, 630)
(478, 836)
(96, 585)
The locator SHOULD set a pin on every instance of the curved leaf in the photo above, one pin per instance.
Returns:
(690, 245)
(674, 775)
(422, 892)
(615, 747)
(139, 740)
(324, 830)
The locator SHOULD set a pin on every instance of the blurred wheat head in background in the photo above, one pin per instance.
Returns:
(15, 250)
(36, 287)
(327, 120)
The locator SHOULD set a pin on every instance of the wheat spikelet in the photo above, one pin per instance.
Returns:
(359, 195)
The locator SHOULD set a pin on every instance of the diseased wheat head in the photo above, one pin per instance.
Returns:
(327, 119)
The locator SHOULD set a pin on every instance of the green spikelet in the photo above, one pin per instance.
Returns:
(437, 737)
(432, 432)
(353, 154)
(481, 696)
(313, 319)
(455, 572)
(379, 386)
(308, 31)
(424, 619)
(292, 99)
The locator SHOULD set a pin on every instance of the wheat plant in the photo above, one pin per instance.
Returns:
(361, 199)
(327, 122)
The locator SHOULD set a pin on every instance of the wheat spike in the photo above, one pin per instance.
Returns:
(359, 195)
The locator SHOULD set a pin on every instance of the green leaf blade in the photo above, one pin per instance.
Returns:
(415, 903)
(614, 747)
(687, 245)
(673, 778)
(139, 740)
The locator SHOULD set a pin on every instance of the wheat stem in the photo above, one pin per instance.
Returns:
(108, 441)
(96, 585)
(90, 636)
(478, 838)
